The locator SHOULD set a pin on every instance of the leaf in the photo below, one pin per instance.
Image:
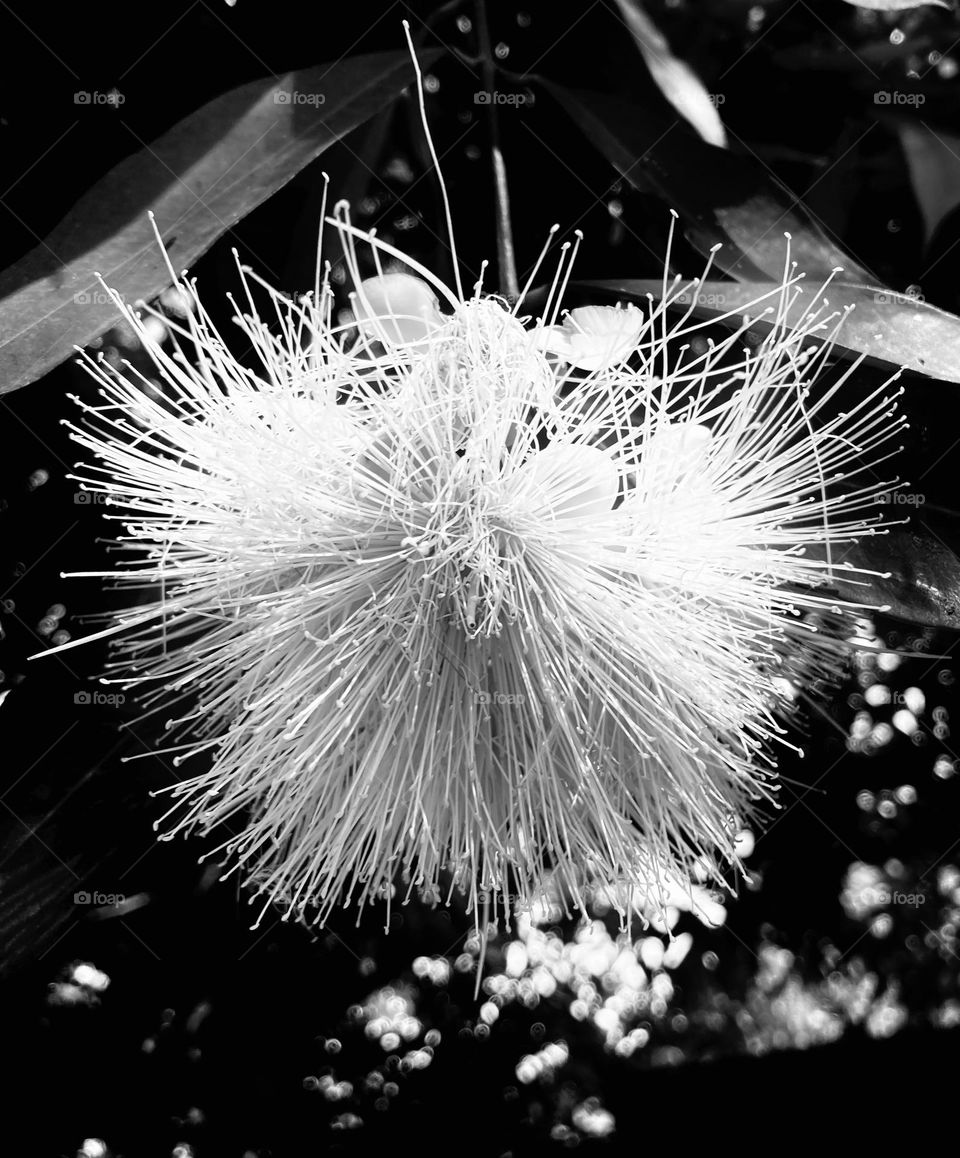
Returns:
(722, 198)
(675, 78)
(200, 178)
(934, 163)
(897, 5)
(919, 577)
(351, 166)
(52, 852)
(889, 327)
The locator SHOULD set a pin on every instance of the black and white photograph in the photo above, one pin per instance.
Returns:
(479, 577)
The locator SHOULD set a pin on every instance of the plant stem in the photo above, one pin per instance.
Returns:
(506, 260)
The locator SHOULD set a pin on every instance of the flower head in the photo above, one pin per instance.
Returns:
(450, 595)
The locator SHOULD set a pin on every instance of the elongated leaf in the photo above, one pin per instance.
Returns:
(896, 5)
(933, 158)
(721, 198)
(199, 179)
(888, 327)
(675, 78)
(919, 573)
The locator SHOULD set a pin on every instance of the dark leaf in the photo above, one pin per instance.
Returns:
(896, 5)
(98, 825)
(889, 327)
(922, 573)
(933, 158)
(199, 179)
(351, 166)
(722, 198)
(673, 76)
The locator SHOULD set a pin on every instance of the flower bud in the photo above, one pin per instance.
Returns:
(396, 309)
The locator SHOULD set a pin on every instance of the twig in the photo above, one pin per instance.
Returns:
(506, 260)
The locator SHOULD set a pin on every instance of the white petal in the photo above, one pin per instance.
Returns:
(674, 451)
(551, 340)
(397, 309)
(601, 336)
(568, 482)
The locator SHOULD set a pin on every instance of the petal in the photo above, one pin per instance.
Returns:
(397, 309)
(568, 482)
(552, 340)
(601, 336)
(675, 450)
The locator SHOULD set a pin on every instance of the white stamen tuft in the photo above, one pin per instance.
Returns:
(420, 600)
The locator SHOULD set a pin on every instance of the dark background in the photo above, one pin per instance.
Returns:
(237, 1019)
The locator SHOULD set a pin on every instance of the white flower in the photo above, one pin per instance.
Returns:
(398, 310)
(594, 337)
(421, 602)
